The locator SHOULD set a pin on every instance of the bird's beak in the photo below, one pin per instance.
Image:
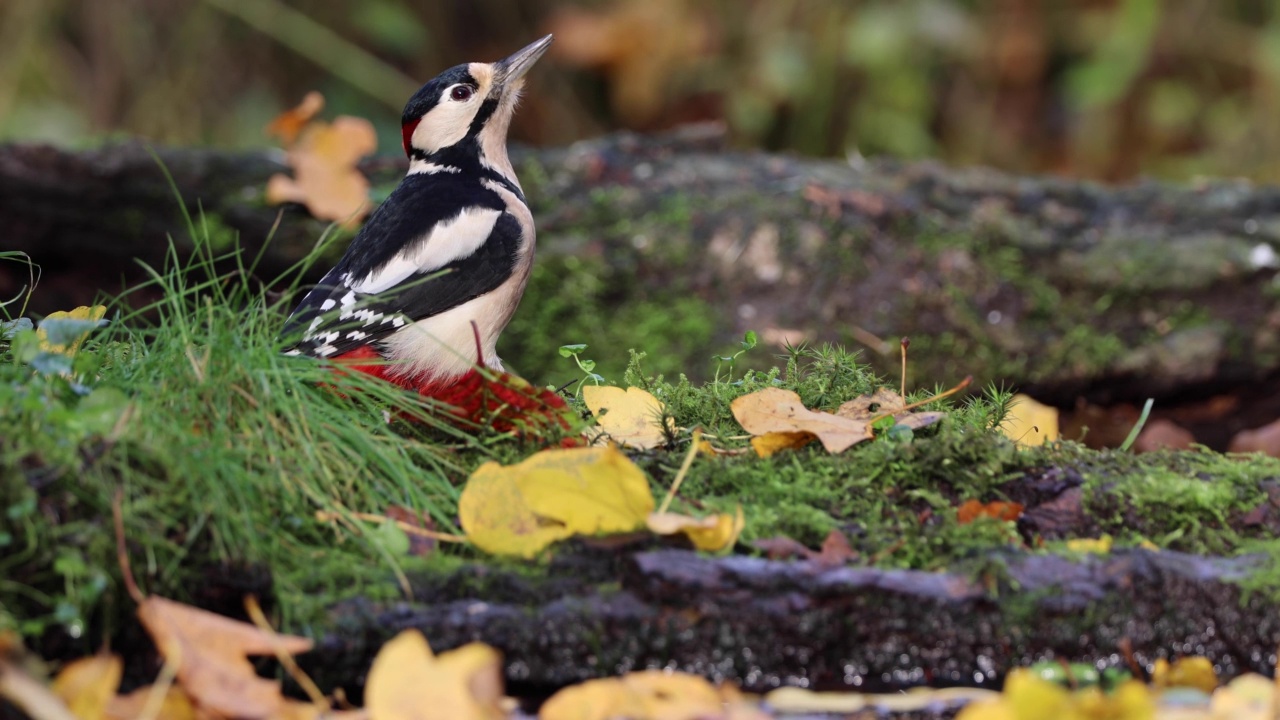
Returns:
(514, 67)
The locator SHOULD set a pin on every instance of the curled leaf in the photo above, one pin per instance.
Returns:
(712, 534)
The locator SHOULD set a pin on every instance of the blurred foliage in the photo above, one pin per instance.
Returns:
(1096, 88)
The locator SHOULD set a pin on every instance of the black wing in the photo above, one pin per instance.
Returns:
(427, 249)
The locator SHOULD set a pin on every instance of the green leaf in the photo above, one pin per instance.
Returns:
(64, 331)
(25, 346)
(98, 413)
(750, 340)
(571, 350)
(588, 365)
(901, 433)
(8, 328)
(391, 538)
(49, 363)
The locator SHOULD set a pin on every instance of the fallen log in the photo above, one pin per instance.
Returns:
(766, 623)
(1069, 289)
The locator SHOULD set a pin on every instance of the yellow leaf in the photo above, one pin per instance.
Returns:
(88, 684)
(523, 508)
(212, 655)
(408, 682)
(794, 700)
(1132, 700)
(1194, 672)
(999, 709)
(711, 534)
(772, 443)
(647, 695)
(778, 410)
(497, 518)
(590, 490)
(175, 705)
(1248, 697)
(1099, 546)
(1029, 422)
(84, 312)
(631, 417)
(1031, 696)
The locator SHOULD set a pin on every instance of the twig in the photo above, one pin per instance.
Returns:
(684, 470)
(160, 689)
(122, 556)
(946, 393)
(304, 681)
(905, 343)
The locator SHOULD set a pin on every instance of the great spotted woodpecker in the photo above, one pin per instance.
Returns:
(435, 274)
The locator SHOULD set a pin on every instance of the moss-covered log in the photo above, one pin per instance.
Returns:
(769, 623)
(1068, 288)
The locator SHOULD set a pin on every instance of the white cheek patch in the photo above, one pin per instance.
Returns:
(452, 240)
(447, 123)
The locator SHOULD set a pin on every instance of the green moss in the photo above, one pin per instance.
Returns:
(570, 300)
(226, 452)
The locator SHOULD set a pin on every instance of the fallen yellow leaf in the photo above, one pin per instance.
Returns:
(521, 509)
(88, 684)
(1100, 545)
(1248, 697)
(1195, 672)
(647, 695)
(409, 682)
(212, 655)
(712, 534)
(630, 417)
(772, 443)
(174, 705)
(1029, 422)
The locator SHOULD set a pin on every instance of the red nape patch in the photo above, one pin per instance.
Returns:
(406, 134)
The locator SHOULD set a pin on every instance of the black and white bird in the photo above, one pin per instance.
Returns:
(452, 245)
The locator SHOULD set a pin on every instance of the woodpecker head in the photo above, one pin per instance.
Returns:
(467, 109)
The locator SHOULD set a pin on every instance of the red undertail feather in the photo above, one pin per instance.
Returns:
(503, 401)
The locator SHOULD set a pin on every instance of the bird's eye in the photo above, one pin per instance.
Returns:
(461, 93)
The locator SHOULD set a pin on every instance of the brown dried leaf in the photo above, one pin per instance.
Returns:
(781, 547)
(778, 410)
(288, 124)
(883, 401)
(325, 178)
(212, 654)
(971, 510)
(836, 549)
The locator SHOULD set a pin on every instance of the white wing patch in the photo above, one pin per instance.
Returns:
(422, 167)
(452, 240)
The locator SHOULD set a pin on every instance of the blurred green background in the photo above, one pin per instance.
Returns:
(1106, 89)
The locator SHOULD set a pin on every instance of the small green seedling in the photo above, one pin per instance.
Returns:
(749, 341)
(586, 366)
